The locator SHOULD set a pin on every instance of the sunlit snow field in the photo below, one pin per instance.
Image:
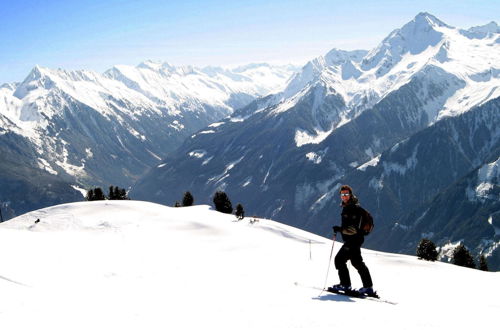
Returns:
(139, 265)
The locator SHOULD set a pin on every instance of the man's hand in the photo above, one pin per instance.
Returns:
(351, 230)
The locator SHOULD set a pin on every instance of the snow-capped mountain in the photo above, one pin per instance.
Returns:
(460, 62)
(138, 265)
(286, 155)
(107, 129)
(188, 88)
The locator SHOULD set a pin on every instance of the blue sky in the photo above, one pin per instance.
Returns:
(95, 35)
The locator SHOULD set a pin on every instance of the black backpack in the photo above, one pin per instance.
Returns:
(366, 222)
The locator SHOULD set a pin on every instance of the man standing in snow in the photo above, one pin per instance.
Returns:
(353, 238)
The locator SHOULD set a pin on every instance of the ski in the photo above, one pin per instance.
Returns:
(352, 294)
(356, 294)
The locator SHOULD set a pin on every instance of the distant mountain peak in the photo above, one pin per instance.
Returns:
(336, 56)
(161, 66)
(38, 76)
(36, 73)
(9, 86)
(421, 32)
(152, 64)
(482, 31)
(490, 27)
(251, 66)
(427, 19)
(414, 37)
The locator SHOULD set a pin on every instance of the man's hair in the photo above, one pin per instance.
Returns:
(346, 187)
(353, 199)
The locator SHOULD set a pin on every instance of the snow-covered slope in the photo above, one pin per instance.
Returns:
(138, 265)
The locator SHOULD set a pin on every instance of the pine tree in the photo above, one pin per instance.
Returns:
(116, 193)
(222, 202)
(99, 194)
(462, 257)
(483, 264)
(188, 199)
(427, 250)
(95, 195)
(112, 195)
(121, 194)
(240, 213)
(90, 195)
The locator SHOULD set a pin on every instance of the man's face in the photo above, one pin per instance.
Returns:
(345, 195)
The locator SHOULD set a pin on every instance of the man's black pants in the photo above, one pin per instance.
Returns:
(354, 254)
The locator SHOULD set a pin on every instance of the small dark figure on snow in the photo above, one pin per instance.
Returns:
(353, 237)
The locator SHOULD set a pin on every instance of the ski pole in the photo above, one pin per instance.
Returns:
(329, 263)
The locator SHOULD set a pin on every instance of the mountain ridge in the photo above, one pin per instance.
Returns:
(89, 129)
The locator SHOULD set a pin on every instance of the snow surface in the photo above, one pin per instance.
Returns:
(409, 164)
(372, 162)
(488, 177)
(314, 157)
(139, 265)
(303, 137)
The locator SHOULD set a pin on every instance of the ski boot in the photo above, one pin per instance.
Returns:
(368, 292)
(340, 288)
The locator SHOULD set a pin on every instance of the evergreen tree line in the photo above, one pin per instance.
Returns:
(115, 193)
(427, 250)
(221, 202)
